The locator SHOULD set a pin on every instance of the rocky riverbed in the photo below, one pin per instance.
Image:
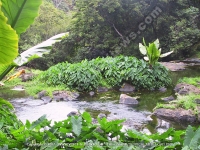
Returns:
(106, 103)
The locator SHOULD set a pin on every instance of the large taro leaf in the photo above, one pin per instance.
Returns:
(8, 41)
(34, 52)
(38, 50)
(20, 13)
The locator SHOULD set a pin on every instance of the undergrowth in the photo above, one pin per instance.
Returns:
(193, 81)
(34, 86)
(88, 75)
(183, 101)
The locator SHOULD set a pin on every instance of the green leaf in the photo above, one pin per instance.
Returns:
(4, 102)
(8, 41)
(38, 50)
(166, 54)
(87, 117)
(38, 122)
(195, 140)
(188, 136)
(28, 124)
(99, 137)
(20, 13)
(142, 49)
(76, 125)
(157, 44)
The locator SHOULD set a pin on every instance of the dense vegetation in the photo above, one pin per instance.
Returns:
(103, 28)
(88, 75)
(79, 132)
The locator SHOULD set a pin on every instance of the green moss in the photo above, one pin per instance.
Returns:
(193, 81)
(186, 102)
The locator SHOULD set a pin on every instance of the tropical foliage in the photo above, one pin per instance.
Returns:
(16, 17)
(100, 28)
(18, 24)
(88, 75)
(48, 23)
(152, 52)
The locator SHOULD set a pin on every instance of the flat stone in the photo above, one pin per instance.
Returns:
(18, 88)
(46, 99)
(19, 100)
(102, 89)
(167, 99)
(34, 102)
(174, 66)
(162, 89)
(91, 93)
(125, 99)
(127, 88)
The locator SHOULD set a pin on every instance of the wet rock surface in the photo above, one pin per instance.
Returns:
(127, 88)
(102, 89)
(174, 66)
(167, 99)
(128, 100)
(32, 109)
(177, 115)
(192, 60)
(184, 89)
(65, 96)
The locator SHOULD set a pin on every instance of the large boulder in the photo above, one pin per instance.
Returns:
(127, 88)
(184, 89)
(125, 99)
(177, 115)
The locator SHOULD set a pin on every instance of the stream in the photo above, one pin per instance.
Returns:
(107, 103)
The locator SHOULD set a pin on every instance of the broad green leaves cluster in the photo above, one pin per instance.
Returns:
(88, 75)
(7, 35)
(152, 52)
(20, 14)
(15, 17)
(79, 132)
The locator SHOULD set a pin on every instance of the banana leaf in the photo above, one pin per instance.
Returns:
(8, 52)
(20, 13)
(34, 52)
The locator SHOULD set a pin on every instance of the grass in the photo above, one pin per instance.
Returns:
(186, 102)
(193, 81)
(34, 86)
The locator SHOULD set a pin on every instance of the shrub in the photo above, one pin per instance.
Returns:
(88, 75)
